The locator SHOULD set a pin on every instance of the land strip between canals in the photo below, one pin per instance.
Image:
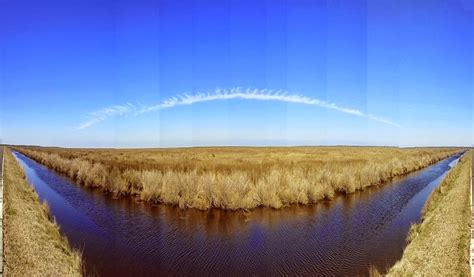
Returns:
(439, 244)
(33, 243)
(235, 177)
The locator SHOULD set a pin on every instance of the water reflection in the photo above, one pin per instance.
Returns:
(344, 237)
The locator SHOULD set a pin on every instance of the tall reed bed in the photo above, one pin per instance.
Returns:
(235, 177)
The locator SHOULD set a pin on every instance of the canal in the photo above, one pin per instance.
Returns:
(343, 237)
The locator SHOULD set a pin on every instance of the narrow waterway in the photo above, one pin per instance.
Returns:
(344, 237)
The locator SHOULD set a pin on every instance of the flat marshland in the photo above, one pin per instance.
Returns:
(32, 242)
(235, 177)
(440, 243)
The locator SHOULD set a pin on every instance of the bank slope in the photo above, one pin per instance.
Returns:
(439, 245)
(33, 243)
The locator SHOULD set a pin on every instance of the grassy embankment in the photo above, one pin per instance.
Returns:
(236, 177)
(439, 244)
(33, 244)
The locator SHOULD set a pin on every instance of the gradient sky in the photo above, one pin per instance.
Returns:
(410, 62)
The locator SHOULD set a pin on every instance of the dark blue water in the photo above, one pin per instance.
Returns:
(344, 237)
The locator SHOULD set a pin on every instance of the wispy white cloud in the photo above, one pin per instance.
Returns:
(105, 113)
(223, 94)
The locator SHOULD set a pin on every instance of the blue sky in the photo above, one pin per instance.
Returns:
(407, 62)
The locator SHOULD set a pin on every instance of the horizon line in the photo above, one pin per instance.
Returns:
(238, 146)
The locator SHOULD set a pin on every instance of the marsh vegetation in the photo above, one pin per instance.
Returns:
(341, 237)
(439, 244)
(235, 177)
(33, 244)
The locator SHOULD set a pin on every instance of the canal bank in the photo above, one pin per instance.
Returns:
(439, 244)
(33, 245)
(1, 211)
(471, 248)
(344, 237)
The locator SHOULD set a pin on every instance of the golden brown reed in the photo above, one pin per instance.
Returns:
(32, 241)
(235, 177)
(439, 244)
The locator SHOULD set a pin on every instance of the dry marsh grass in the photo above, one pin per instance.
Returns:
(32, 242)
(439, 245)
(235, 177)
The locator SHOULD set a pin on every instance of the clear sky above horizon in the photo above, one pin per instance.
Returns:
(80, 73)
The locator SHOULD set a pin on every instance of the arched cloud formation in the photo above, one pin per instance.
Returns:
(223, 94)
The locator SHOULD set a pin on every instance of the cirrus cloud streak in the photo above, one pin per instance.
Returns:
(130, 109)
